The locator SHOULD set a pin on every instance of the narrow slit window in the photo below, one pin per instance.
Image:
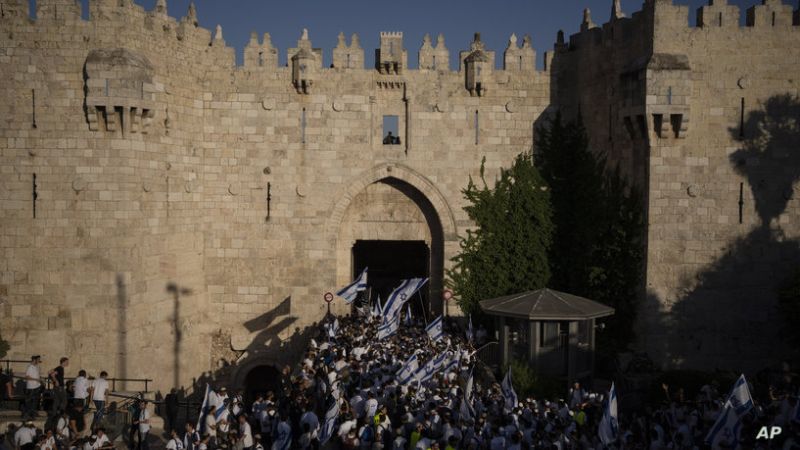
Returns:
(719, 18)
(260, 59)
(33, 108)
(391, 130)
(669, 95)
(520, 62)
(303, 127)
(434, 61)
(773, 18)
(348, 60)
(741, 119)
(477, 127)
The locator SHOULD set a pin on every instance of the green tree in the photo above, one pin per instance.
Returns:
(598, 241)
(506, 252)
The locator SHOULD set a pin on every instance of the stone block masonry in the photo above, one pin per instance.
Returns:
(157, 161)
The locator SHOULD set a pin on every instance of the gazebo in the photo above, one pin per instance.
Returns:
(552, 330)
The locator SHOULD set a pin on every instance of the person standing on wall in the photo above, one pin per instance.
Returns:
(99, 394)
(80, 390)
(59, 390)
(33, 387)
(144, 425)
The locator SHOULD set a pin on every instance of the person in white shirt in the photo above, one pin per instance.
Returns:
(245, 433)
(211, 428)
(33, 388)
(62, 428)
(25, 435)
(144, 425)
(102, 442)
(99, 395)
(80, 389)
(175, 442)
(48, 442)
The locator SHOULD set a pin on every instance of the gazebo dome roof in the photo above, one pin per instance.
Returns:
(546, 304)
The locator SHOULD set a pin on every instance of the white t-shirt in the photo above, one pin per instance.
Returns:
(174, 444)
(62, 428)
(100, 387)
(32, 377)
(81, 388)
(211, 424)
(144, 417)
(101, 441)
(48, 444)
(247, 435)
(24, 436)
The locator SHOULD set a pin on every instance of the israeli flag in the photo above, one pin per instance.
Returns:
(452, 361)
(330, 422)
(333, 328)
(377, 310)
(609, 426)
(427, 371)
(434, 329)
(388, 327)
(406, 373)
(201, 423)
(401, 295)
(466, 410)
(350, 292)
(408, 314)
(507, 386)
(740, 397)
(726, 429)
(470, 333)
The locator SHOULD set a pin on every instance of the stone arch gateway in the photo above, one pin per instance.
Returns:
(394, 211)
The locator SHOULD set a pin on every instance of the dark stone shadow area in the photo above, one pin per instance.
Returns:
(728, 317)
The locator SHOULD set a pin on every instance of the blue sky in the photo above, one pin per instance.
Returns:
(457, 19)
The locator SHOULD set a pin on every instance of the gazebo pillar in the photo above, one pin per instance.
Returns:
(535, 344)
(572, 351)
(503, 338)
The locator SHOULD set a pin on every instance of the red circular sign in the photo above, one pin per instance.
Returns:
(447, 294)
(328, 297)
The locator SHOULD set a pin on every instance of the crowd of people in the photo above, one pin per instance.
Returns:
(358, 387)
(352, 391)
(65, 424)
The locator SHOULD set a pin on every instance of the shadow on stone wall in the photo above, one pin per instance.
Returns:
(727, 317)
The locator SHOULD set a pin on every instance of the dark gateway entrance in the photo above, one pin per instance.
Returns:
(389, 263)
(259, 381)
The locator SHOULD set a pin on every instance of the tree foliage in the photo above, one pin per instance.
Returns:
(598, 243)
(506, 252)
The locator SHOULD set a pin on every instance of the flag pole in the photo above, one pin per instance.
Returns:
(422, 304)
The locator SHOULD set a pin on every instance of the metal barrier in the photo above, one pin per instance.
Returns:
(489, 355)
(47, 381)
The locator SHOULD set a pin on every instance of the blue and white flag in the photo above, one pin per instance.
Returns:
(726, 429)
(333, 328)
(434, 329)
(377, 310)
(466, 410)
(429, 369)
(401, 295)
(350, 292)
(609, 426)
(406, 373)
(451, 363)
(330, 422)
(283, 436)
(408, 315)
(470, 333)
(740, 397)
(201, 423)
(507, 386)
(388, 327)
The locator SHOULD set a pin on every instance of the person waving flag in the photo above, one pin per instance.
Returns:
(508, 392)
(401, 295)
(609, 427)
(350, 292)
(434, 329)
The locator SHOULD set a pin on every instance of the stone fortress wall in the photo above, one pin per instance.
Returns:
(163, 170)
